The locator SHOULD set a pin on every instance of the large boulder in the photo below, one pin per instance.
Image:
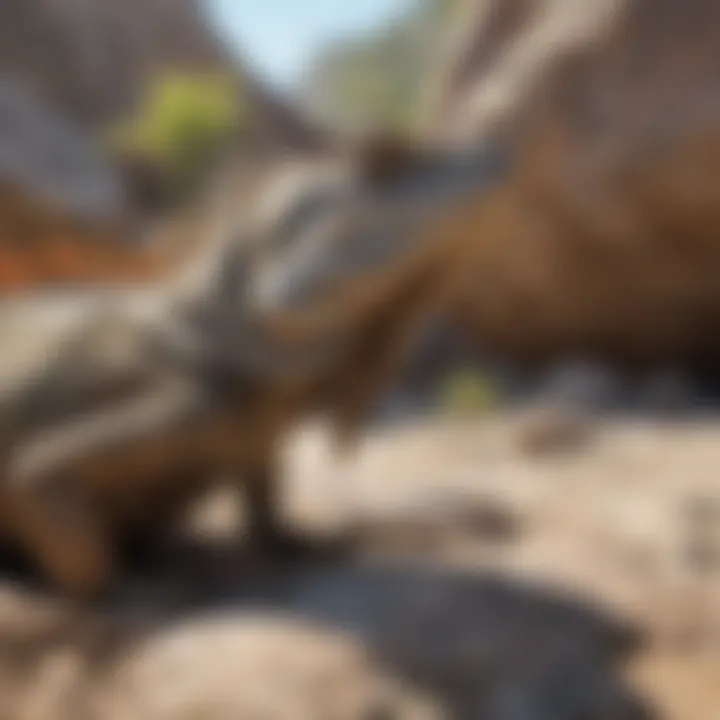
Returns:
(603, 241)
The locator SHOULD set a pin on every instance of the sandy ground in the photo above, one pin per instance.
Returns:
(483, 584)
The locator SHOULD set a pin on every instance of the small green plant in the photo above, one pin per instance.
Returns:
(181, 126)
(468, 392)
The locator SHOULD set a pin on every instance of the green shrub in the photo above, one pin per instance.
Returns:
(468, 392)
(181, 126)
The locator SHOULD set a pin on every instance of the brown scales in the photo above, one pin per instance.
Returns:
(69, 512)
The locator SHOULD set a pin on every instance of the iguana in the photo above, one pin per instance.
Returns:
(118, 406)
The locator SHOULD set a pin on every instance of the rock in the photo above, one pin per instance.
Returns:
(701, 512)
(364, 644)
(667, 392)
(588, 387)
(553, 429)
(47, 162)
(255, 667)
(601, 241)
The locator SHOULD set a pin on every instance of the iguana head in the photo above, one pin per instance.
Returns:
(332, 238)
(338, 259)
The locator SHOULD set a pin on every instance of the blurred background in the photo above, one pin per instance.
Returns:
(539, 487)
(164, 89)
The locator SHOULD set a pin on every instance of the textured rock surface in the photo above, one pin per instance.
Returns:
(603, 240)
(46, 160)
(485, 585)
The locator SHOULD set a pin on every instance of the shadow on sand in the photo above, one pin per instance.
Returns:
(479, 645)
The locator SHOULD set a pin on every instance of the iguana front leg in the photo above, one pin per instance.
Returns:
(270, 535)
(263, 522)
(49, 487)
(62, 536)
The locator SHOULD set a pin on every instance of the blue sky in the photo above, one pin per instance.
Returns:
(281, 36)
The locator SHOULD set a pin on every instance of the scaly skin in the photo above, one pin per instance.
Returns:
(135, 402)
